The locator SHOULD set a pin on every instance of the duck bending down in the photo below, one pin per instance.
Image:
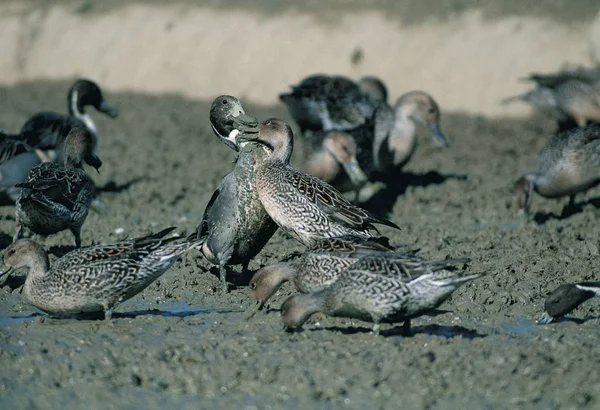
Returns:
(566, 298)
(305, 207)
(94, 278)
(49, 130)
(56, 197)
(569, 163)
(235, 226)
(226, 116)
(381, 289)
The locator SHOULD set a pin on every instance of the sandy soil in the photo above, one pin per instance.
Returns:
(181, 343)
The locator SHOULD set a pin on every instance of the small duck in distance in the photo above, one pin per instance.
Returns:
(570, 96)
(305, 207)
(95, 278)
(569, 163)
(566, 298)
(49, 130)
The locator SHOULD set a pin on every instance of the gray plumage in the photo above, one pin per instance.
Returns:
(57, 197)
(235, 226)
(381, 288)
(95, 278)
(317, 268)
(302, 205)
(569, 163)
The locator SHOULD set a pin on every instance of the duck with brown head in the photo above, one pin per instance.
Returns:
(302, 205)
(56, 197)
(95, 278)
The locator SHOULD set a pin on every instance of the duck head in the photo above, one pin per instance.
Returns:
(422, 108)
(342, 147)
(87, 93)
(228, 119)
(276, 135)
(79, 147)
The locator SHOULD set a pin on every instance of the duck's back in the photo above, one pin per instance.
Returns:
(48, 130)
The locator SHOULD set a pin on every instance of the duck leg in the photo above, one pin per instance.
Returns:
(223, 277)
(406, 327)
(77, 233)
(376, 327)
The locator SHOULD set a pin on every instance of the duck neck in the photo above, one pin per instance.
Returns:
(39, 266)
(77, 111)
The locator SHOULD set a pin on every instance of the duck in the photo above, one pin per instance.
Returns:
(381, 289)
(324, 102)
(235, 226)
(317, 268)
(568, 164)
(302, 205)
(570, 96)
(56, 197)
(566, 298)
(374, 87)
(228, 117)
(94, 278)
(48, 130)
(332, 157)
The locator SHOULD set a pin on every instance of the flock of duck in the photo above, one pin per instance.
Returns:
(352, 139)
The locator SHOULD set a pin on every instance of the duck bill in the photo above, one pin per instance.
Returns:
(93, 161)
(108, 109)
(4, 275)
(545, 319)
(354, 171)
(437, 133)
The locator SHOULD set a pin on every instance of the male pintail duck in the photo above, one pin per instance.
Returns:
(226, 116)
(95, 278)
(49, 130)
(235, 226)
(566, 298)
(571, 96)
(568, 164)
(381, 289)
(56, 197)
(317, 268)
(305, 207)
(322, 102)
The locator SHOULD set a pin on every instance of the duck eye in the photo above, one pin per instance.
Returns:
(224, 102)
(431, 110)
(12, 252)
(253, 285)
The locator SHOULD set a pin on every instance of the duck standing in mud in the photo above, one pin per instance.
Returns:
(569, 163)
(235, 226)
(56, 197)
(382, 288)
(95, 278)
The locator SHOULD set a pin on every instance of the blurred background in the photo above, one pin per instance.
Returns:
(468, 53)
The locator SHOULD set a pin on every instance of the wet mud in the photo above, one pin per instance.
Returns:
(182, 344)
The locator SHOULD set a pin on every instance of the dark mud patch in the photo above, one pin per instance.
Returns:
(161, 165)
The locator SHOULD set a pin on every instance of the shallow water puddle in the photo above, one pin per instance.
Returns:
(126, 310)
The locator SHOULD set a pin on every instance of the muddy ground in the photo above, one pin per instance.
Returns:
(181, 344)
